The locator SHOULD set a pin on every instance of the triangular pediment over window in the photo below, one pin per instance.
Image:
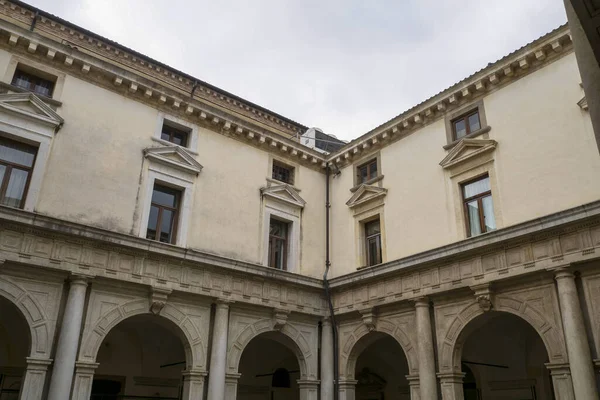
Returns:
(467, 149)
(284, 193)
(30, 106)
(174, 156)
(365, 194)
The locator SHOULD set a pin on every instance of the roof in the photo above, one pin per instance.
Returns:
(162, 65)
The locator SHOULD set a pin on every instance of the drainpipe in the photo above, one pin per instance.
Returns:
(336, 367)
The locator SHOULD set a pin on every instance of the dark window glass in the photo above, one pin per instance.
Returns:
(367, 171)
(479, 207)
(278, 237)
(283, 173)
(174, 135)
(162, 221)
(466, 124)
(16, 164)
(33, 83)
(373, 242)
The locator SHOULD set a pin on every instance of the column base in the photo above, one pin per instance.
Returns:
(561, 381)
(84, 377)
(34, 379)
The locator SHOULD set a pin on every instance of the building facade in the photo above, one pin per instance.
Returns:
(161, 238)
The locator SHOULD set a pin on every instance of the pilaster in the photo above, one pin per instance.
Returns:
(35, 378)
(415, 389)
(309, 389)
(347, 389)
(451, 384)
(561, 381)
(193, 385)
(84, 377)
(231, 382)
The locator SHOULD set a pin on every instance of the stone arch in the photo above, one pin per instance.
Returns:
(33, 313)
(170, 315)
(362, 337)
(455, 335)
(288, 335)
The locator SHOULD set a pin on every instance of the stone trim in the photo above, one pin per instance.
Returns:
(174, 100)
(467, 108)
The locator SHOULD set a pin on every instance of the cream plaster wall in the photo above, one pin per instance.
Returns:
(545, 161)
(96, 175)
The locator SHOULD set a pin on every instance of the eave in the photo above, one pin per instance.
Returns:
(505, 71)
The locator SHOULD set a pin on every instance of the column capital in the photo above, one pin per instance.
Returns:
(562, 273)
(451, 377)
(193, 374)
(80, 279)
(348, 383)
(558, 369)
(38, 363)
(412, 379)
(232, 377)
(223, 303)
(86, 366)
(422, 301)
(308, 383)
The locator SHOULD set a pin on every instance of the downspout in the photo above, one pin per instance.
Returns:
(334, 331)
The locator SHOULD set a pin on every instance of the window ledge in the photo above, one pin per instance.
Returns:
(276, 182)
(13, 88)
(167, 143)
(369, 182)
(469, 136)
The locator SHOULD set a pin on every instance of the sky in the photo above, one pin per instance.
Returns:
(345, 66)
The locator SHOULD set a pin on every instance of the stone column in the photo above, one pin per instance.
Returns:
(578, 349)
(34, 379)
(327, 377)
(218, 354)
(452, 385)
(309, 390)
(413, 384)
(561, 381)
(427, 378)
(193, 385)
(347, 389)
(231, 381)
(68, 341)
(84, 377)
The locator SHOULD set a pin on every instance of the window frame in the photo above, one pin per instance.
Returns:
(161, 207)
(368, 165)
(375, 157)
(378, 241)
(479, 197)
(10, 166)
(180, 124)
(34, 77)
(175, 130)
(291, 171)
(465, 118)
(463, 113)
(286, 243)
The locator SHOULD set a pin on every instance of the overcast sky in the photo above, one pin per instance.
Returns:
(345, 66)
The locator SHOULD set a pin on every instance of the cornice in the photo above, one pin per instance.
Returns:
(81, 39)
(45, 226)
(537, 229)
(143, 89)
(505, 71)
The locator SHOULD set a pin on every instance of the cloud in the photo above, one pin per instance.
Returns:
(345, 66)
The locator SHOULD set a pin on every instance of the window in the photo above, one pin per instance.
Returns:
(278, 243)
(366, 172)
(479, 208)
(16, 164)
(283, 173)
(373, 242)
(33, 83)
(162, 222)
(174, 135)
(466, 124)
